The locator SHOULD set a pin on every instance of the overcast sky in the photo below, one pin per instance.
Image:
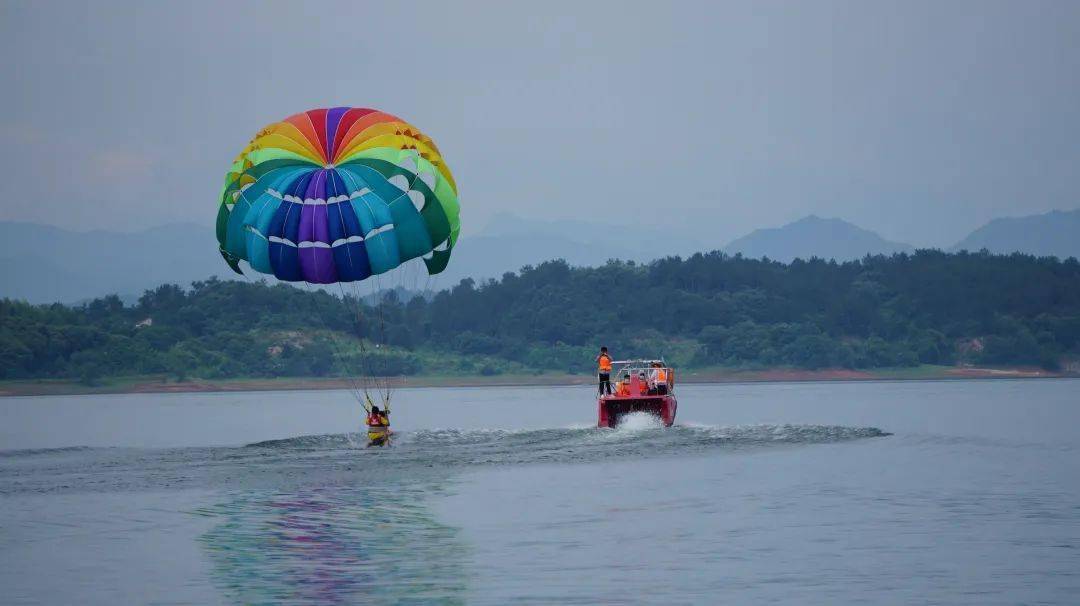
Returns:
(919, 120)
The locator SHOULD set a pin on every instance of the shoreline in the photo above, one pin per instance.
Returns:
(158, 384)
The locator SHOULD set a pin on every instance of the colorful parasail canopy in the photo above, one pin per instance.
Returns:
(337, 195)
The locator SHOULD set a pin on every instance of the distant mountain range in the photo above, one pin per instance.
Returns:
(814, 237)
(43, 264)
(1055, 234)
(509, 242)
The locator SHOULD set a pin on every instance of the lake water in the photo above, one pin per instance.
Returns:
(964, 492)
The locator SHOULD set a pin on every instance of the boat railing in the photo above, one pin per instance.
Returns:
(626, 368)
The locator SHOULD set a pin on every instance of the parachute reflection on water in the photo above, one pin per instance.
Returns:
(337, 196)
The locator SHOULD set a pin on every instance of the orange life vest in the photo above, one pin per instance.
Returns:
(377, 420)
(622, 388)
(661, 375)
(605, 363)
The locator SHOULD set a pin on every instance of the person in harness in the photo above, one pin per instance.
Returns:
(603, 362)
(378, 423)
(378, 418)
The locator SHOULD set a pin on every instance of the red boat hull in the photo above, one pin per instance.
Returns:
(611, 409)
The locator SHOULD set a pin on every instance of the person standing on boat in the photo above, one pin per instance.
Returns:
(603, 362)
(658, 379)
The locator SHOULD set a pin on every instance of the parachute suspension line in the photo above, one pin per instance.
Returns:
(426, 321)
(357, 318)
(342, 365)
(430, 280)
(338, 349)
(380, 343)
(330, 333)
(381, 307)
(354, 389)
(356, 305)
(372, 372)
(378, 337)
(337, 353)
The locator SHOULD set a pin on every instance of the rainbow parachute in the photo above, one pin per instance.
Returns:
(337, 195)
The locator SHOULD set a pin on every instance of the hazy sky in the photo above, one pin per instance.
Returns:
(920, 120)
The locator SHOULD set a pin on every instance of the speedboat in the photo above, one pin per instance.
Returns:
(639, 386)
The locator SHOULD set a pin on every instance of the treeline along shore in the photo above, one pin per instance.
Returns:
(709, 314)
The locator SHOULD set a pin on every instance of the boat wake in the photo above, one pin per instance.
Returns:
(638, 435)
(347, 458)
(32, 452)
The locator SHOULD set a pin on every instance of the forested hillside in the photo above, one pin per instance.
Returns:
(710, 309)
